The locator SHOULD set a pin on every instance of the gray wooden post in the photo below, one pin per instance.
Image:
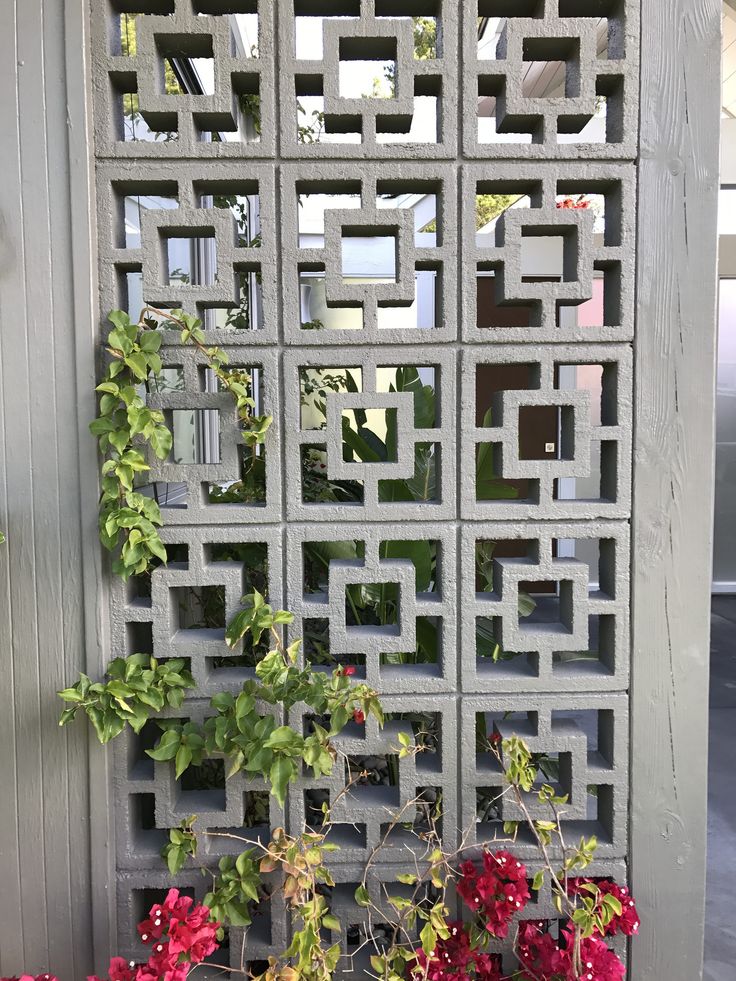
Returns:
(673, 479)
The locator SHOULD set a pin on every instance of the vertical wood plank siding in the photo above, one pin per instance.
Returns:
(49, 627)
(673, 480)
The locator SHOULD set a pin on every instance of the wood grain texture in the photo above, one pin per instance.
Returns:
(49, 629)
(673, 479)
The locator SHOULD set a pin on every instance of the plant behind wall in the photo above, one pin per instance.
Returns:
(445, 917)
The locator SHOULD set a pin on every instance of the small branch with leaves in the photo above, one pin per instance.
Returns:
(249, 739)
(129, 519)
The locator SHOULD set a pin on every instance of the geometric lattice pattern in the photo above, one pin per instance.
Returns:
(424, 259)
(411, 223)
(590, 431)
(587, 52)
(364, 818)
(536, 300)
(418, 109)
(579, 575)
(578, 739)
(417, 652)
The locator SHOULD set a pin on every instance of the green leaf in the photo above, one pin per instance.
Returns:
(119, 319)
(119, 439)
(613, 902)
(360, 446)
(332, 956)
(526, 604)
(100, 426)
(71, 695)
(119, 341)
(244, 863)
(175, 857)
(420, 553)
(238, 627)
(150, 341)
(284, 738)
(488, 486)
(428, 937)
(283, 770)
(137, 363)
(361, 896)
(183, 759)
(161, 442)
(167, 746)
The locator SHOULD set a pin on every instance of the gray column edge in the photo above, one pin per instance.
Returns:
(675, 354)
(95, 567)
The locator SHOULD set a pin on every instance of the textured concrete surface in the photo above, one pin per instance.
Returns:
(720, 929)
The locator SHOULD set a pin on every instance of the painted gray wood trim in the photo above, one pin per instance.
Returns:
(673, 480)
(52, 825)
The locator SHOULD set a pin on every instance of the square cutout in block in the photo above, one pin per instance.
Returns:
(368, 67)
(366, 256)
(387, 595)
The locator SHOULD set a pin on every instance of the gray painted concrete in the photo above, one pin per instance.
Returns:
(720, 929)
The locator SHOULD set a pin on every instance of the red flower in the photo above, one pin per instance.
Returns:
(628, 920)
(120, 969)
(181, 934)
(497, 892)
(454, 960)
(194, 937)
(155, 926)
(487, 968)
(538, 952)
(359, 716)
(545, 960)
(146, 973)
(567, 203)
(494, 737)
(30, 977)
(178, 973)
(348, 670)
(599, 963)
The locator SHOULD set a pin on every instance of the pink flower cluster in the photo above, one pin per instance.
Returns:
(30, 977)
(543, 959)
(455, 959)
(182, 934)
(628, 921)
(497, 892)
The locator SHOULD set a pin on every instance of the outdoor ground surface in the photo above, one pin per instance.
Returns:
(720, 927)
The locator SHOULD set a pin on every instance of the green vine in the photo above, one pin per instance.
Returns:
(129, 519)
(249, 739)
(253, 742)
(138, 687)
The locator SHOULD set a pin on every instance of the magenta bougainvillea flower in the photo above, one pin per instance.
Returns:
(181, 934)
(455, 960)
(496, 892)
